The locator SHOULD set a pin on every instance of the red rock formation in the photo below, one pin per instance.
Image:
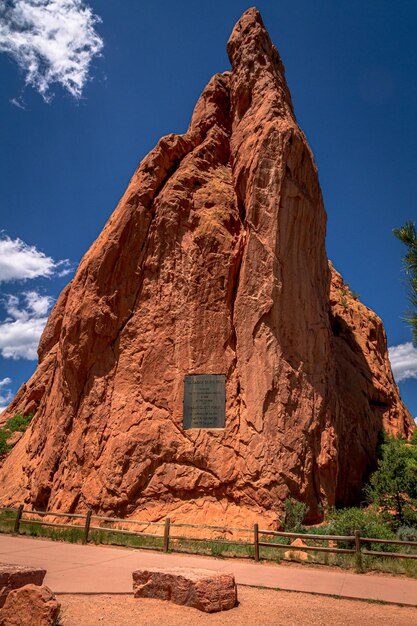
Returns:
(213, 262)
(366, 394)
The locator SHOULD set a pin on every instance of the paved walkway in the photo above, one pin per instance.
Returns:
(91, 569)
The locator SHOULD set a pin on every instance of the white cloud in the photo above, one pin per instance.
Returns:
(21, 330)
(19, 339)
(37, 304)
(6, 395)
(19, 261)
(403, 361)
(52, 41)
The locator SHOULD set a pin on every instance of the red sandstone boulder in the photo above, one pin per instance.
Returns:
(202, 589)
(297, 553)
(30, 605)
(15, 576)
(213, 262)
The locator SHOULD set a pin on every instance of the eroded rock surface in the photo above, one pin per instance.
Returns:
(201, 589)
(214, 261)
(30, 605)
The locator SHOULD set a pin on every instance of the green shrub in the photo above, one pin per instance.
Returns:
(250, 551)
(294, 515)
(407, 533)
(18, 423)
(13, 425)
(344, 303)
(367, 522)
(217, 549)
(4, 446)
(409, 514)
(324, 529)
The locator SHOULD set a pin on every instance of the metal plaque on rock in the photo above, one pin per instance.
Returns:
(204, 401)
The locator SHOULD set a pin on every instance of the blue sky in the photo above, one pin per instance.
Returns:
(74, 126)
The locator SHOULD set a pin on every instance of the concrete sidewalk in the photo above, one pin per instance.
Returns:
(73, 568)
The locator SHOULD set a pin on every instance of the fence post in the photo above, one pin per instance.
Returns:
(358, 553)
(357, 542)
(87, 526)
(17, 520)
(166, 534)
(256, 541)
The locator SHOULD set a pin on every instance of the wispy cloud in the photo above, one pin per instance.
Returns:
(19, 261)
(5, 394)
(21, 330)
(18, 102)
(52, 41)
(403, 361)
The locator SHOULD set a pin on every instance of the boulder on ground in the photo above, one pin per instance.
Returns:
(15, 576)
(31, 605)
(202, 589)
(300, 555)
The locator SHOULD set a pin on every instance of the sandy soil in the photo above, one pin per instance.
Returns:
(257, 607)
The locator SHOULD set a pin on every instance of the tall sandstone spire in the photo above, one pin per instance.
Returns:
(213, 262)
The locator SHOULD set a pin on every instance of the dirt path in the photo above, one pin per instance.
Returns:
(257, 607)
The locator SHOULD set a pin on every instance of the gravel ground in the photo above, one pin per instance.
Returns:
(257, 607)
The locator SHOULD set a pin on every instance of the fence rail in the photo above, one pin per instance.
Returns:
(278, 533)
(358, 542)
(284, 546)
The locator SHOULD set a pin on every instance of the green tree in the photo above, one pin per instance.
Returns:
(393, 487)
(408, 235)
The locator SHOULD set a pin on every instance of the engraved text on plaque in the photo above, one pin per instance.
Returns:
(204, 401)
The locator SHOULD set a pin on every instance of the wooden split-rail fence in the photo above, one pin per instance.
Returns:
(358, 549)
